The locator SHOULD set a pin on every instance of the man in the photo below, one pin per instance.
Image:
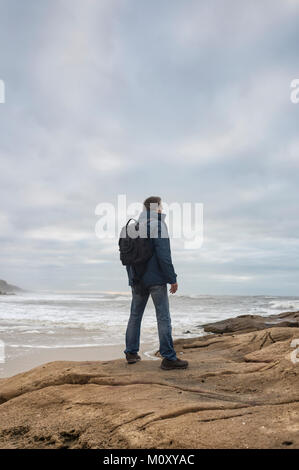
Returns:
(158, 273)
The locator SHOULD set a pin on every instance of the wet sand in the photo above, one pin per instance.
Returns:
(28, 359)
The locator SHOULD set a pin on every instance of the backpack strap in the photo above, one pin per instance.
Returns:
(136, 225)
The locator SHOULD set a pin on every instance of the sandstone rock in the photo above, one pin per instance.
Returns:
(246, 323)
(240, 391)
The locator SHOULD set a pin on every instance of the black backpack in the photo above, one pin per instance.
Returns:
(134, 250)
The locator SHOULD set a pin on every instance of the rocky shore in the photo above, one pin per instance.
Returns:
(240, 391)
(247, 323)
(8, 289)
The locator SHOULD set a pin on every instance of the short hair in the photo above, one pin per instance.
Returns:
(152, 200)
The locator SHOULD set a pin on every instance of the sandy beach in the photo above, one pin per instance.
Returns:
(37, 328)
(35, 357)
(239, 391)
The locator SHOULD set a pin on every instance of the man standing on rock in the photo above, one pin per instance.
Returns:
(159, 272)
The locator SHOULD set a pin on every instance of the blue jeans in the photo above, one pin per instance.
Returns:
(160, 299)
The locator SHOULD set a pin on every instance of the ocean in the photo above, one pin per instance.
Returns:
(46, 320)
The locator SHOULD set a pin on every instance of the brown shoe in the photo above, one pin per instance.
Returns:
(132, 358)
(177, 364)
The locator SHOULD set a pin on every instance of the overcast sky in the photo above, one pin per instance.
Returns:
(189, 100)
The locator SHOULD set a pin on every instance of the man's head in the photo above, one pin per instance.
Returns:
(153, 203)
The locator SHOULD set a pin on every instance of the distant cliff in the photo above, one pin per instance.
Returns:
(6, 288)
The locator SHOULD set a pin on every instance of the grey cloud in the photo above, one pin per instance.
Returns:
(189, 100)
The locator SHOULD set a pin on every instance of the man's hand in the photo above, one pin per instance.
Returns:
(173, 288)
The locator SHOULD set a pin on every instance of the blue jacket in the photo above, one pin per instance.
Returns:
(159, 269)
